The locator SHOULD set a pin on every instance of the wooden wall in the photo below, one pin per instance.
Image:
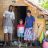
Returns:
(36, 13)
(4, 6)
(1, 12)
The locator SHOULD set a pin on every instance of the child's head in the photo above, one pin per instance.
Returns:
(28, 13)
(21, 21)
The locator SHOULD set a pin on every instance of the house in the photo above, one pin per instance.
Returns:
(24, 4)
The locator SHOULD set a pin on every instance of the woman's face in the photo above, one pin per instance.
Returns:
(29, 14)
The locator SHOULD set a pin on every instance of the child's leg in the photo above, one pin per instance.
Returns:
(22, 40)
(22, 37)
(18, 34)
(19, 39)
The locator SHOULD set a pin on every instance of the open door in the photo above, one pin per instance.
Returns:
(20, 13)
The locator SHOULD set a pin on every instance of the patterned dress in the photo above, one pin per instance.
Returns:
(28, 35)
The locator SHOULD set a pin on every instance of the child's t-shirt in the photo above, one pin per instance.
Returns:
(20, 28)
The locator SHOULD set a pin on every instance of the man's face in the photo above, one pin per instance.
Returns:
(28, 14)
(11, 8)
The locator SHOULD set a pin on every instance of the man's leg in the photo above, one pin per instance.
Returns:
(10, 37)
(10, 32)
(5, 35)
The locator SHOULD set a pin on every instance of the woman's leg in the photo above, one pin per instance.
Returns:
(21, 37)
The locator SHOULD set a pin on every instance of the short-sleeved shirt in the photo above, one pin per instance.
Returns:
(9, 17)
(29, 21)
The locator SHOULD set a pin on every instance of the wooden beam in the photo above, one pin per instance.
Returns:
(33, 5)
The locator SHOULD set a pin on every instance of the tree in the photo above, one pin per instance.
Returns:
(45, 4)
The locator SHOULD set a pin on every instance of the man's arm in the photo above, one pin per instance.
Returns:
(3, 19)
(13, 18)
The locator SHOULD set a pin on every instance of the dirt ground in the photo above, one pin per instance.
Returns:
(17, 47)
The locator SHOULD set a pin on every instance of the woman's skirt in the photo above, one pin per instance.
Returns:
(28, 35)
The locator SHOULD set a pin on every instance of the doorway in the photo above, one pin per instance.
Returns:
(20, 13)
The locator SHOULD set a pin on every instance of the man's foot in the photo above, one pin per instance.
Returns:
(5, 44)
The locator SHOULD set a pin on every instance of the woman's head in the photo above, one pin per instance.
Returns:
(28, 13)
(21, 21)
(10, 8)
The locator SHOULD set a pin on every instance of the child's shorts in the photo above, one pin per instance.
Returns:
(20, 35)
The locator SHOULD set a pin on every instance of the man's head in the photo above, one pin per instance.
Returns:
(28, 13)
(10, 8)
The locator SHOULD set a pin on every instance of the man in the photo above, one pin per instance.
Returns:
(8, 20)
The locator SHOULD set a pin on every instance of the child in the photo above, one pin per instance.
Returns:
(29, 22)
(20, 30)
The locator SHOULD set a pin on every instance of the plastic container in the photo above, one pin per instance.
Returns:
(45, 44)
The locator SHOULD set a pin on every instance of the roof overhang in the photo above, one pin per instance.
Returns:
(43, 11)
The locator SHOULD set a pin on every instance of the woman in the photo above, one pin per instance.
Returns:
(8, 20)
(29, 22)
